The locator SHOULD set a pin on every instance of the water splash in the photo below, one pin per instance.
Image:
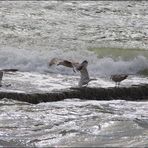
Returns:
(37, 60)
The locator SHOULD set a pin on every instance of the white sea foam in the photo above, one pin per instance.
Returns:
(37, 60)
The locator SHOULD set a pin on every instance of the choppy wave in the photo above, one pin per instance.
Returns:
(37, 60)
(74, 24)
(32, 33)
(39, 31)
(74, 123)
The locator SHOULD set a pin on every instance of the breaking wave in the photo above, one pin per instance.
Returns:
(37, 61)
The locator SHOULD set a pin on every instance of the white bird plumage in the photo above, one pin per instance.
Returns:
(84, 75)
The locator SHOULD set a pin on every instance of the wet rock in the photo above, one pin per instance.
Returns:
(131, 93)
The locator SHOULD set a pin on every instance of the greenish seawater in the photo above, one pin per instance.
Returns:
(122, 53)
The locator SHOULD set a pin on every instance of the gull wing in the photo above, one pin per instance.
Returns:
(54, 61)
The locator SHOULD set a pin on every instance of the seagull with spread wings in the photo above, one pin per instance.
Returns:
(81, 67)
(66, 63)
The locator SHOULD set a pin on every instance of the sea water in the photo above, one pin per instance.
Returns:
(111, 35)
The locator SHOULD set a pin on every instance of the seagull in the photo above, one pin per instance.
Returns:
(118, 78)
(84, 75)
(65, 63)
(81, 67)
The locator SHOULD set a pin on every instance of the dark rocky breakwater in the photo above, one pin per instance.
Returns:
(133, 93)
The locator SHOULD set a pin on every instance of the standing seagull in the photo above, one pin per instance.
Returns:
(66, 63)
(84, 78)
(118, 78)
